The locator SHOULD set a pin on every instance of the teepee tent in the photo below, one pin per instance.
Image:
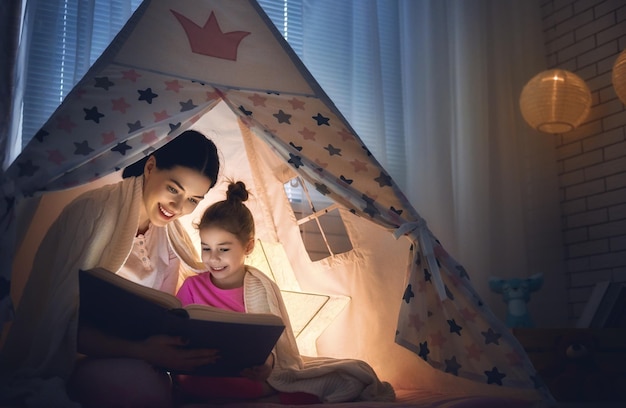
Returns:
(397, 299)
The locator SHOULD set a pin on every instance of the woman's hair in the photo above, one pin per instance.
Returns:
(231, 214)
(190, 149)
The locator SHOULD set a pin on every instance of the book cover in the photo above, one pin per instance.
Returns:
(132, 311)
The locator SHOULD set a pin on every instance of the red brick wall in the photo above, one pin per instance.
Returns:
(585, 37)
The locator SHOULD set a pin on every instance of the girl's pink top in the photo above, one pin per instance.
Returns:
(199, 289)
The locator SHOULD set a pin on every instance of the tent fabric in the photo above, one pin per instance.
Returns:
(169, 67)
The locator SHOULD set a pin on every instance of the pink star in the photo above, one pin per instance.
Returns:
(120, 105)
(358, 165)
(307, 134)
(210, 40)
(108, 138)
(211, 96)
(473, 352)
(148, 137)
(514, 358)
(415, 321)
(437, 339)
(65, 123)
(468, 314)
(55, 157)
(321, 164)
(131, 75)
(160, 116)
(257, 99)
(345, 135)
(173, 85)
(296, 104)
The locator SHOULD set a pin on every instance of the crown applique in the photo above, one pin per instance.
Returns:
(210, 40)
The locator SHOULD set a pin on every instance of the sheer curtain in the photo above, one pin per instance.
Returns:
(432, 88)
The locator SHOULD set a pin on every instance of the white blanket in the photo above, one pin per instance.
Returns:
(330, 379)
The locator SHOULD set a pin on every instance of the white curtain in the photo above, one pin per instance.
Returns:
(437, 103)
(432, 88)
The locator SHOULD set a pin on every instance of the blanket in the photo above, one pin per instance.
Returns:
(96, 229)
(330, 379)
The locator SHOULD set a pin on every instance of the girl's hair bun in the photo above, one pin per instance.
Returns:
(237, 192)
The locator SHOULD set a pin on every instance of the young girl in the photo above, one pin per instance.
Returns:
(130, 228)
(226, 232)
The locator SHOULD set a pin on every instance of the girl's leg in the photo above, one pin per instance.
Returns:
(119, 383)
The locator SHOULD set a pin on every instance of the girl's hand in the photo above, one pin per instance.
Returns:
(167, 352)
(262, 372)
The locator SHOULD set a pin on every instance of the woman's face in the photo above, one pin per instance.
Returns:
(170, 194)
(224, 255)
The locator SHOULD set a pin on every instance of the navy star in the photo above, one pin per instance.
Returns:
(321, 120)
(408, 294)
(494, 376)
(146, 95)
(27, 169)
(424, 352)
(462, 272)
(173, 127)
(452, 366)
(104, 83)
(244, 111)
(295, 160)
(133, 127)
(93, 114)
(345, 180)
(448, 293)
(298, 148)
(41, 134)
(121, 148)
(187, 106)
(282, 117)
(383, 180)
(491, 336)
(322, 188)
(399, 212)
(454, 328)
(332, 150)
(427, 275)
(369, 209)
(82, 148)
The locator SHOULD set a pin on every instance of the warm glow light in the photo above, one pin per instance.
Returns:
(555, 101)
(619, 76)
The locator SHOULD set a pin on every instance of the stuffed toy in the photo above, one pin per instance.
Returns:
(516, 293)
(577, 375)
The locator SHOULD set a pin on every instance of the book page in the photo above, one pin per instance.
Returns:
(159, 297)
(204, 312)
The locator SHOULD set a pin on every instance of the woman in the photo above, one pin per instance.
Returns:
(131, 228)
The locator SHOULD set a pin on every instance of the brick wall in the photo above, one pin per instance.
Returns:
(585, 37)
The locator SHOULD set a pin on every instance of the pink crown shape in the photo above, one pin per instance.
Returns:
(210, 40)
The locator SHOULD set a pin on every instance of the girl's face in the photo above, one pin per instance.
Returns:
(223, 254)
(170, 194)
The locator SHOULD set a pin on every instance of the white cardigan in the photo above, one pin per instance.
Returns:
(96, 229)
(330, 379)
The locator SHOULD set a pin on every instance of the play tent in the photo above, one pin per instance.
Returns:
(397, 299)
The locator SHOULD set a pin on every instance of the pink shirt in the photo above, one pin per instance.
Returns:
(199, 289)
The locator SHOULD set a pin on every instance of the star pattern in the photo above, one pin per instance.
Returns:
(119, 112)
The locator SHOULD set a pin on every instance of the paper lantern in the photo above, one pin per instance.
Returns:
(555, 101)
(619, 77)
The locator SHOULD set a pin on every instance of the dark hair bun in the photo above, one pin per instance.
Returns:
(237, 192)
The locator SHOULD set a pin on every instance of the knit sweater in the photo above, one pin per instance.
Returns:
(96, 229)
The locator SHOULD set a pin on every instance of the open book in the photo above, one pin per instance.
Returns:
(129, 310)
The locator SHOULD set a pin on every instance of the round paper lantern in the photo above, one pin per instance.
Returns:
(619, 77)
(555, 101)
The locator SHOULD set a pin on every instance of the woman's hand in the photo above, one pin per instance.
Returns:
(262, 372)
(168, 352)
